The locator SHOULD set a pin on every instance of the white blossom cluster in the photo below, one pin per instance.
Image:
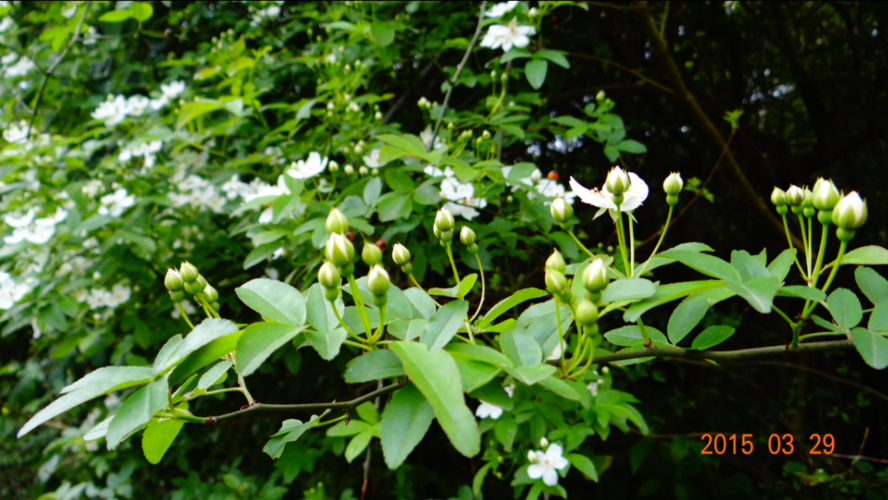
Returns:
(305, 169)
(10, 291)
(544, 186)
(508, 35)
(116, 108)
(14, 66)
(146, 150)
(257, 188)
(460, 196)
(114, 204)
(99, 297)
(260, 15)
(199, 193)
(27, 228)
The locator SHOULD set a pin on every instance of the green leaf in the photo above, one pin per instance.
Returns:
(556, 56)
(871, 346)
(535, 70)
(508, 303)
(409, 143)
(137, 410)
(826, 324)
(291, 430)
(480, 353)
(748, 266)
(872, 284)
(668, 293)
(513, 129)
(357, 445)
(444, 324)
(705, 264)
(584, 465)
(368, 413)
(399, 181)
(845, 308)
(194, 110)
(352, 428)
(158, 437)
(759, 292)
(494, 393)
(373, 366)
(802, 292)
(560, 388)
(871, 255)
(206, 332)
(165, 352)
(780, 266)
(372, 190)
(630, 335)
(394, 206)
(205, 355)
(421, 301)
(689, 313)
(711, 337)
(630, 289)
(93, 385)
(405, 422)
(630, 146)
(474, 374)
(521, 347)
(259, 341)
(141, 11)
(427, 194)
(214, 375)
(116, 16)
(878, 320)
(319, 311)
(327, 344)
(465, 285)
(514, 53)
(436, 376)
(407, 329)
(506, 430)
(274, 300)
(530, 375)
(383, 34)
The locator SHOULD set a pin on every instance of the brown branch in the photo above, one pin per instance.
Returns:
(661, 50)
(624, 68)
(260, 410)
(48, 72)
(824, 375)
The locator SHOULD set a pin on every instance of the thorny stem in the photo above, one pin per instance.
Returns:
(483, 288)
(657, 246)
(792, 248)
(184, 314)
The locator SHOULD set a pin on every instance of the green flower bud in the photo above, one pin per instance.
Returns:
(195, 287)
(407, 268)
(371, 254)
(444, 220)
(173, 280)
(378, 281)
(188, 272)
(339, 250)
(673, 184)
(587, 313)
(328, 276)
(808, 202)
(467, 236)
(210, 294)
(826, 195)
(400, 254)
(595, 276)
(617, 181)
(795, 196)
(561, 210)
(850, 212)
(337, 222)
(177, 296)
(446, 236)
(473, 248)
(778, 197)
(556, 283)
(555, 262)
(215, 306)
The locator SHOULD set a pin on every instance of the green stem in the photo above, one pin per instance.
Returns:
(820, 252)
(184, 315)
(417, 285)
(452, 263)
(805, 241)
(792, 248)
(631, 246)
(644, 334)
(483, 288)
(591, 352)
(794, 345)
(657, 246)
(359, 302)
(810, 249)
(380, 327)
(209, 307)
(220, 391)
(782, 314)
(243, 385)
(838, 262)
(622, 241)
(579, 244)
(341, 322)
(560, 334)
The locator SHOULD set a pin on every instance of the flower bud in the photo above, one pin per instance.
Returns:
(348, 169)
(444, 220)
(188, 272)
(177, 296)
(826, 195)
(544, 443)
(339, 250)
(595, 276)
(531, 456)
(333, 166)
(328, 276)
(673, 184)
(363, 171)
(555, 262)
(795, 196)
(587, 313)
(197, 286)
(378, 280)
(561, 210)
(533, 12)
(400, 254)
(173, 280)
(467, 236)
(337, 222)
(210, 293)
(556, 283)
(809, 198)
(536, 176)
(850, 212)
(371, 254)
(617, 181)
(485, 135)
(778, 197)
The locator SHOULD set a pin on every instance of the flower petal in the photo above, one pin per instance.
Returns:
(550, 477)
(590, 197)
(535, 471)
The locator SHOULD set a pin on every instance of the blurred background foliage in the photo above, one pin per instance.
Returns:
(810, 80)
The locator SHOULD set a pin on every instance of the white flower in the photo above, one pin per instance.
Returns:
(90, 38)
(266, 216)
(466, 208)
(593, 388)
(11, 292)
(508, 36)
(306, 169)
(372, 160)
(5, 24)
(454, 190)
(137, 104)
(91, 188)
(21, 68)
(116, 203)
(426, 137)
(547, 464)
(486, 410)
(437, 172)
(113, 110)
(22, 221)
(173, 89)
(119, 295)
(15, 133)
(632, 198)
(556, 353)
(499, 9)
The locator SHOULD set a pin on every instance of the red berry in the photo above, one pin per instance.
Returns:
(553, 175)
(382, 245)
(350, 236)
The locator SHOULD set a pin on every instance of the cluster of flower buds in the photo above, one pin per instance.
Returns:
(673, 186)
(847, 212)
(443, 227)
(594, 280)
(557, 284)
(339, 250)
(467, 237)
(188, 279)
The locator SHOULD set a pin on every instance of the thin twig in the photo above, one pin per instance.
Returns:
(48, 72)
(825, 375)
(456, 76)
(624, 68)
(369, 448)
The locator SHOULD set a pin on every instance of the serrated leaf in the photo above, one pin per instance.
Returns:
(873, 348)
(206, 332)
(759, 292)
(780, 266)
(357, 445)
(212, 376)
(479, 353)
(630, 289)
(405, 422)
(705, 264)
(878, 321)
(711, 337)
(475, 374)
(372, 190)
(845, 308)
(444, 324)
(521, 347)
(158, 437)
(668, 293)
(584, 465)
(530, 375)
(630, 335)
(802, 292)
(327, 344)
(274, 300)
(291, 430)
(137, 410)
(259, 341)
(352, 428)
(872, 284)
(870, 255)
(748, 266)
(373, 366)
(689, 313)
